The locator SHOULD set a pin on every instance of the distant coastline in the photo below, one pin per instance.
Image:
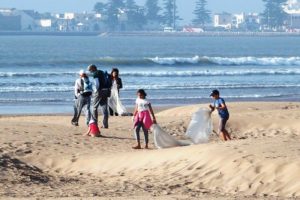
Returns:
(152, 33)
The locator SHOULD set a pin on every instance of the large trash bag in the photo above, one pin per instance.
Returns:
(200, 126)
(164, 140)
(114, 102)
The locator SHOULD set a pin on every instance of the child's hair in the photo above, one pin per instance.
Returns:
(115, 70)
(142, 91)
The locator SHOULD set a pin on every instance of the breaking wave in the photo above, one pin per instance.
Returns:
(188, 73)
(151, 61)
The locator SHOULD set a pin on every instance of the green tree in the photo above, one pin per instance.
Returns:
(152, 10)
(113, 9)
(135, 15)
(170, 15)
(130, 4)
(274, 15)
(201, 13)
(100, 7)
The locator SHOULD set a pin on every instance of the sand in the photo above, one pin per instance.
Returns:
(44, 157)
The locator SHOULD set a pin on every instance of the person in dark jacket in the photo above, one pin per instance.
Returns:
(118, 81)
(99, 96)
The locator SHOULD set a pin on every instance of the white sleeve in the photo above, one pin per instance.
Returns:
(77, 88)
(96, 84)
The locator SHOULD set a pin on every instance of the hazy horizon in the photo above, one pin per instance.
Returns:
(185, 9)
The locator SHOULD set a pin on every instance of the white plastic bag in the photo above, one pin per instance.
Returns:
(163, 139)
(200, 126)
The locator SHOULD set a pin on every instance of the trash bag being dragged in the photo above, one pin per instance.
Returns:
(164, 140)
(200, 126)
(114, 102)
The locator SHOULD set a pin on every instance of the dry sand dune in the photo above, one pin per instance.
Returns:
(45, 157)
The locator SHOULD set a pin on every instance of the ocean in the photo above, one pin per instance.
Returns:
(37, 73)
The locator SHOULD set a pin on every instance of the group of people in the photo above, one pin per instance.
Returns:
(92, 90)
(96, 88)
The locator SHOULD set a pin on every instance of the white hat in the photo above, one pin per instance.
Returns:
(92, 121)
(81, 72)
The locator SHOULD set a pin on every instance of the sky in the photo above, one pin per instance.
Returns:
(185, 7)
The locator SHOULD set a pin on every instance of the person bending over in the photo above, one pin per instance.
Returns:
(220, 105)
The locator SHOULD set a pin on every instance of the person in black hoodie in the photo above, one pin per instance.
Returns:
(101, 93)
(118, 81)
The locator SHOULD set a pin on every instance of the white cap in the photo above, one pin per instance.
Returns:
(92, 121)
(81, 72)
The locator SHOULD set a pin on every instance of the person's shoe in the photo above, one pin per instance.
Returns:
(75, 123)
(137, 147)
(104, 127)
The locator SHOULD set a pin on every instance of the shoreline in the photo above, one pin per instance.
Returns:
(159, 107)
(152, 34)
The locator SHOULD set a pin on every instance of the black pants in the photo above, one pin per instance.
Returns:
(137, 132)
(111, 112)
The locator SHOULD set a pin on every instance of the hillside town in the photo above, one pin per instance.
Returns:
(135, 18)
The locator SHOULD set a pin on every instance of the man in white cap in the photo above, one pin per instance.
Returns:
(83, 91)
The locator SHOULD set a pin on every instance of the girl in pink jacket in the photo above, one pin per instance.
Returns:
(142, 118)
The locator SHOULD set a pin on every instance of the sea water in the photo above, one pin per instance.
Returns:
(37, 73)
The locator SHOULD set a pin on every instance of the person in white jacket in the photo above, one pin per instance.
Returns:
(83, 91)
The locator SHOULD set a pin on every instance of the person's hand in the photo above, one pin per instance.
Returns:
(210, 106)
(133, 118)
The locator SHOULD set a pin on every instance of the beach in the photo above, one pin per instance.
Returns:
(45, 157)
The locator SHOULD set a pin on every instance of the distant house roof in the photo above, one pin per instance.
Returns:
(33, 14)
(223, 13)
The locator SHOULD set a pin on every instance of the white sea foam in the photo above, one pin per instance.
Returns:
(260, 61)
(197, 72)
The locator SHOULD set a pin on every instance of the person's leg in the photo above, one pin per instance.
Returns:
(74, 122)
(137, 134)
(222, 136)
(221, 129)
(146, 134)
(227, 135)
(95, 104)
(111, 111)
(87, 104)
(104, 108)
(224, 133)
(80, 104)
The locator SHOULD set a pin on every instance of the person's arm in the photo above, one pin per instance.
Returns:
(76, 89)
(135, 111)
(120, 85)
(96, 84)
(152, 113)
(222, 105)
(212, 108)
(88, 132)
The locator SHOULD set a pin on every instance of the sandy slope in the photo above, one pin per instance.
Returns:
(44, 156)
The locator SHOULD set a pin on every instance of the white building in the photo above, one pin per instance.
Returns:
(238, 20)
(292, 8)
(69, 16)
(44, 24)
(223, 20)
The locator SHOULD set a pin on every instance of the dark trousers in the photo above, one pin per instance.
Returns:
(111, 112)
(137, 132)
(98, 100)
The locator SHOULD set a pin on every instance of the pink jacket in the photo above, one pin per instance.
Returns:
(144, 117)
